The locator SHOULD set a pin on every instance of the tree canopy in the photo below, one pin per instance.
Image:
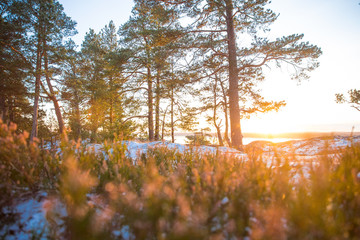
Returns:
(171, 62)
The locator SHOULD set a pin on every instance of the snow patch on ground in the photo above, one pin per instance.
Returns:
(309, 147)
(29, 218)
(136, 149)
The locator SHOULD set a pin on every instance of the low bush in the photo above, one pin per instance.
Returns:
(190, 195)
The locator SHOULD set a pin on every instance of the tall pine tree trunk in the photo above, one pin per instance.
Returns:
(150, 105)
(34, 129)
(52, 92)
(77, 119)
(218, 130)
(226, 117)
(11, 105)
(226, 134)
(111, 114)
(111, 104)
(3, 108)
(236, 135)
(172, 116)
(157, 107)
(163, 124)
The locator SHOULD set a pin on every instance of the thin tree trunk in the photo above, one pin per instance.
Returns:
(157, 107)
(76, 105)
(111, 114)
(163, 124)
(34, 129)
(172, 117)
(77, 129)
(150, 106)
(226, 134)
(78, 123)
(218, 130)
(236, 136)
(225, 107)
(111, 104)
(10, 108)
(3, 108)
(52, 92)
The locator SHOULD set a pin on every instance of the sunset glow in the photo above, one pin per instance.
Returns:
(179, 119)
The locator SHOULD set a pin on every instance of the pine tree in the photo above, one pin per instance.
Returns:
(149, 29)
(72, 91)
(353, 98)
(14, 68)
(95, 83)
(46, 25)
(116, 100)
(221, 22)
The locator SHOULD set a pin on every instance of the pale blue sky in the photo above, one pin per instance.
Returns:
(334, 25)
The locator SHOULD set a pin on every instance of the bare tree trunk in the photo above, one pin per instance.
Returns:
(78, 122)
(77, 130)
(59, 115)
(150, 105)
(10, 108)
(111, 104)
(163, 124)
(236, 136)
(52, 92)
(172, 117)
(111, 114)
(225, 107)
(218, 130)
(226, 134)
(157, 107)
(34, 129)
(3, 108)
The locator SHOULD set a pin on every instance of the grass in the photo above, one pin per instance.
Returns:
(169, 195)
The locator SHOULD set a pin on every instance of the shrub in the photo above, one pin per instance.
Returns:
(23, 166)
(170, 195)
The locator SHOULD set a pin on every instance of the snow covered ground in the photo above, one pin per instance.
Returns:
(135, 149)
(307, 147)
(29, 218)
(30, 212)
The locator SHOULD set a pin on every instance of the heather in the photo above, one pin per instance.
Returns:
(168, 194)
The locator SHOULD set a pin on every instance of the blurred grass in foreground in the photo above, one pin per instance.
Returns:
(170, 195)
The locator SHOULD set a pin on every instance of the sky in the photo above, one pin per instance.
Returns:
(333, 25)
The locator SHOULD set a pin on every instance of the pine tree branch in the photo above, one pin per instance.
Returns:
(17, 51)
(50, 96)
(356, 107)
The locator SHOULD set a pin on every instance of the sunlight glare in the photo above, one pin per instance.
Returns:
(272, 123)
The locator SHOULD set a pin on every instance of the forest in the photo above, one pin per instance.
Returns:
(82, 154)
(171, 62)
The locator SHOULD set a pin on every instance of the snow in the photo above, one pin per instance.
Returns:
(30, 218)
(124, 233)
(136, 149)
(225, 200)
(32, 212)
(310, 147)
